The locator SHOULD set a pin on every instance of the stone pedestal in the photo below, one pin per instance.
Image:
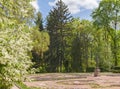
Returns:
(97, 72)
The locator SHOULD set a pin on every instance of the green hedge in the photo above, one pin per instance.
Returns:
(90, 69)
(116, 69)
(104, 69)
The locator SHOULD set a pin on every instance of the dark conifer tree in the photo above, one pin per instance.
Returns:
(57, 19)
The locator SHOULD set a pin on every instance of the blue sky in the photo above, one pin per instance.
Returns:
(78, 8)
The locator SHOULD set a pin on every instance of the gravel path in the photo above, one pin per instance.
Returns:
(75, 81)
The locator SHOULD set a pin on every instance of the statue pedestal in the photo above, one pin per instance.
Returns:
(97, 72)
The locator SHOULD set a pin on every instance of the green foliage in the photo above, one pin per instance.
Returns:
(40, 46)
(40, 41)
(57, 20)
(15, 42)
(91, 63)
(90, 69)
(106, 16)
(39, 21)
(14, 48)
(80, 50)
(23, 86)
(116, 69)
(21, 11)
(81, 45)
(41, 69)
(102, 50)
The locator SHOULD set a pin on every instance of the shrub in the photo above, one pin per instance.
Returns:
(116, 69)
(90, 69)
(41, 70)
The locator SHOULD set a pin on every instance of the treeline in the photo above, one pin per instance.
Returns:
(80, 45)
(64, 44)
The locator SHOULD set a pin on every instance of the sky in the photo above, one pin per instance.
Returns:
(78, 8)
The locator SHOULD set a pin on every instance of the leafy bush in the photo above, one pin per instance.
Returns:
(41, 70)
(90, 69)
(103, 69)
(116, 69)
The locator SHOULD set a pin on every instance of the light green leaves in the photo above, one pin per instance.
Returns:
(15, 41)
(40, 41)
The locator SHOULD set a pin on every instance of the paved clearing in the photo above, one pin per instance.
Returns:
(75, 81)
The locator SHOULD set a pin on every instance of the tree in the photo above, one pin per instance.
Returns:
(41, 42)
(106, 16)
(40, 45)
(81, 45)
(15, 41)
(39, 21)
(56, 25)
(102, 50)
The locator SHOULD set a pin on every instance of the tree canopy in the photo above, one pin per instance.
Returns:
(15, 41)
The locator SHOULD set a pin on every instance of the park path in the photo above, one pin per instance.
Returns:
(75, 81)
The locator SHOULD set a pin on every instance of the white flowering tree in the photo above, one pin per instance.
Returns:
(15, 42)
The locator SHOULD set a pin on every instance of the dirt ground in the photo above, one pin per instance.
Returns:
(75, 81)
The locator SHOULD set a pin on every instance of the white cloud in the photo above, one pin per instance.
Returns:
(35, 5)
(76, 5)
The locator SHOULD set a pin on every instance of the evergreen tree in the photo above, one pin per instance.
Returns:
(39, 21)
(41, 41)
(56, 25)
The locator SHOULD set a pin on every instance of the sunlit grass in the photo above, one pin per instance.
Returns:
(23, 86)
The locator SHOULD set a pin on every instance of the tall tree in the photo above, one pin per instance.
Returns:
(56, 25)
(81, 45)
(102, 50)
(41, 41)
(15, 41)
(107, 16)
(39, 21)
(40, 45)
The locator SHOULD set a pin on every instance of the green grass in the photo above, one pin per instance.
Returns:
(23, 86)
(94, 85)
